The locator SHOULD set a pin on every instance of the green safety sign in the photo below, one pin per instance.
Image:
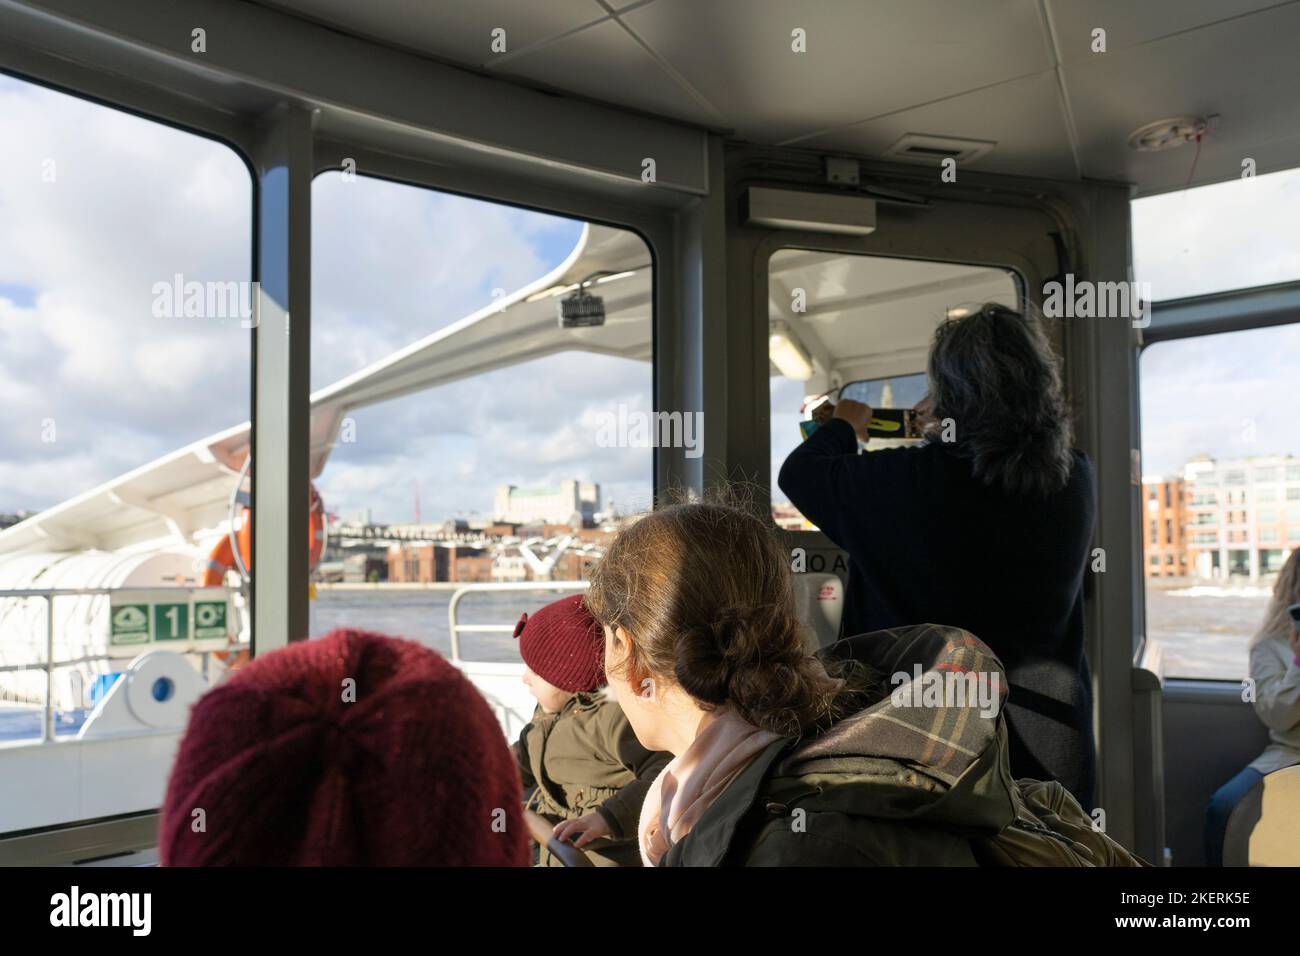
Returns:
(167, 616)
(171, 622)
(130, 624)
(209, 619)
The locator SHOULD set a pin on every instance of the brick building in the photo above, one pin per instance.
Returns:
(1222, 519)
(1164, 520)
(426, 563)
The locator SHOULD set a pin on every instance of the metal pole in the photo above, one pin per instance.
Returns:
(453, 629)
(281, 382)
(47, 730)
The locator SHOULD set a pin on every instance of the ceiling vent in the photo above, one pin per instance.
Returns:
(932, 150)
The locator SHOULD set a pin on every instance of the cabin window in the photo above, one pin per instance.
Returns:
(1218, 411)
(1231, 235)
(463, 436)
(863, 323)
(125, 317)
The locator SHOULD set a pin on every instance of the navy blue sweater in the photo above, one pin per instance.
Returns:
(929, 543)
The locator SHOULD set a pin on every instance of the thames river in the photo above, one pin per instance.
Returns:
(1203, 630)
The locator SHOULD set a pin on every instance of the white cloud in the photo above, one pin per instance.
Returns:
(135, 202)
(1231, 235)
(131, 203)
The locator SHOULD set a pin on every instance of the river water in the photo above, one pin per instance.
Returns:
(420, 615)
(1204, 631)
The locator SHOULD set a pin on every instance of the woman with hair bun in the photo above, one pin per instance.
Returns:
(781, 758)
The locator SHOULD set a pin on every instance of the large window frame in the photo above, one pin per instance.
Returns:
(1038, 231)
(920, 248)
(1213, 313)
(584, 162)
(1013, 266)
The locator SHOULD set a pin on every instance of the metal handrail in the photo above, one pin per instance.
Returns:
(542, 833)
(455, 628)
(49, 665)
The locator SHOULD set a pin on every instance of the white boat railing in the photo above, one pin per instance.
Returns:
(512, 720)
(454, 627)
(49, 665)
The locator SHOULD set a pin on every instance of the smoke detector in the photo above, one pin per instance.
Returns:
(1168, 133)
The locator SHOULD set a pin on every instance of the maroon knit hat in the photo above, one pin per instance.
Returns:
(563, 645)
(353, 749)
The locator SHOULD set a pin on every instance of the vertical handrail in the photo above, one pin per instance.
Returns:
(47, 723)
(454, 627)
(453, 630)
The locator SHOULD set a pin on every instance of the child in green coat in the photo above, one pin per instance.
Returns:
(579, 755)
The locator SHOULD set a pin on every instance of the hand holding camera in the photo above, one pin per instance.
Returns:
(857, 414)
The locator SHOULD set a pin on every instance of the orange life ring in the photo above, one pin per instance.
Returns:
(222, 557)
(232, 659)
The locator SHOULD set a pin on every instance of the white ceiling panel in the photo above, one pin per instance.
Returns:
(1244, 69)
(457, 32)
(1023, 117)
(862, 59)
(873, 71)
(606, 61)
(1129, 23)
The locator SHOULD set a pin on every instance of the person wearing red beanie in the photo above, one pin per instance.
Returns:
(354, 749)
(589, 771)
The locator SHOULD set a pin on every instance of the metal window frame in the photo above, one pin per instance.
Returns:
(268, 92)
(1214, 313)
(1230, 310)
(1089, 236)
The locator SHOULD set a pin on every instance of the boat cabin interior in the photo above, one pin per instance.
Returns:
(476, 233)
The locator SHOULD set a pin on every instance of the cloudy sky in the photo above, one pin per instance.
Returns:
(133, 203)
(96, 207)
(1230, 395)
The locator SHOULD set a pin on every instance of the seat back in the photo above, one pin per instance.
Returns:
(819, 601)
(1264, 828)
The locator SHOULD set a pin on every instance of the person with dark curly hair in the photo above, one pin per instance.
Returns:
(986, 526)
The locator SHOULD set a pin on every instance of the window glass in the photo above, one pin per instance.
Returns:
(1219, 412)
(863, 323)
(125, 358)
(1230, 235)
(468, 439)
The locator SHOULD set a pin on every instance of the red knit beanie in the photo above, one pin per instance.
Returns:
(350, 750)
(564, 645)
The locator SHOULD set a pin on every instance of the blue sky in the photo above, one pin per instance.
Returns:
(133, 202)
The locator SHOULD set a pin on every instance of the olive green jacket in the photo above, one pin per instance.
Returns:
(904, 782)
(586, 759)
